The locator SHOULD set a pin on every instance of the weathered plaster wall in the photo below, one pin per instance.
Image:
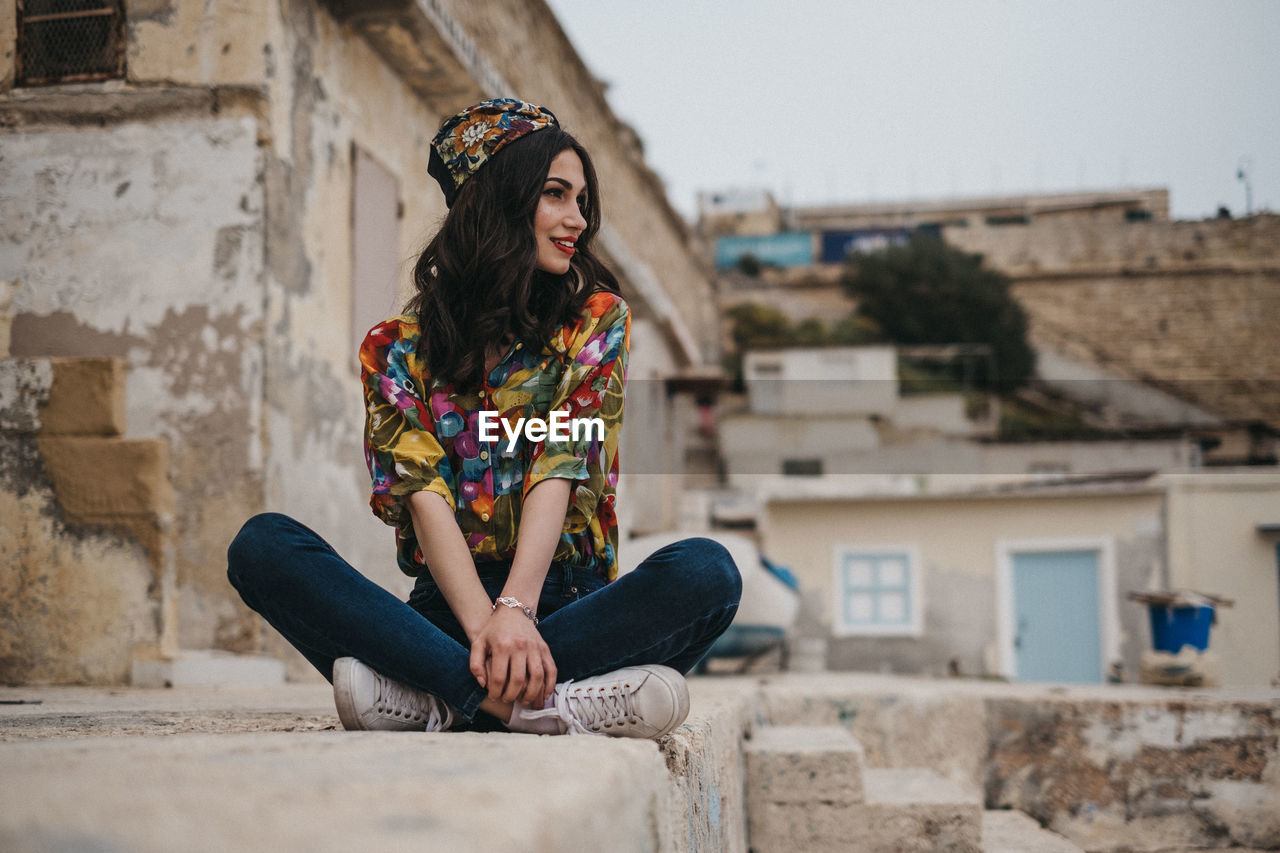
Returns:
(86, 562)
(143, 240)
(180, 43)
(330, 91)
(196, 220)
(957, 542)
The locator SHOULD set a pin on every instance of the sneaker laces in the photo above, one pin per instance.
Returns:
(581, 708)
(400, 700)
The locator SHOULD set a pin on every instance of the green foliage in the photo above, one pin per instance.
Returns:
(756, 326)
(750, 265)
(926, 292)
(1022, 420)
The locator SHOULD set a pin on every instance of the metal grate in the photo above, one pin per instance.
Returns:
(66, 41)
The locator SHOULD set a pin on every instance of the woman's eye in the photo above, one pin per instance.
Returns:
(554, 192)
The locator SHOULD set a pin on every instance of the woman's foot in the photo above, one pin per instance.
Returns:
(372, 702)
(637, 701)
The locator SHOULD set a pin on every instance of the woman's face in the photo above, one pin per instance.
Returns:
(558, 221)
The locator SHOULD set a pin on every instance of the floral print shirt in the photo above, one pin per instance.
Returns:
(420, 433)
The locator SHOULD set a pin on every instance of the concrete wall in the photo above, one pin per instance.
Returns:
(956, 540)
(1215, 547)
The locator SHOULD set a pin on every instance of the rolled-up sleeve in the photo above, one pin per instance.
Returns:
(590, 396)
(401, 450)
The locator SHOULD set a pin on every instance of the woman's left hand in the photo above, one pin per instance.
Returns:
(511, 660)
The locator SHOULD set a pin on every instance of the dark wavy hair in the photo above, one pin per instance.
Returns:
(477, 281)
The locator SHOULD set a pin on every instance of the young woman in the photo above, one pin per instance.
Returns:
(493, 407)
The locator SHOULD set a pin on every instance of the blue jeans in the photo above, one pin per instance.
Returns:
(668, 611)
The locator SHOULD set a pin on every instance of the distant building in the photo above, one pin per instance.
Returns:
(1028, 581)
(1115, 291)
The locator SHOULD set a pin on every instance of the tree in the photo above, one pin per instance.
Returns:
(926, 292)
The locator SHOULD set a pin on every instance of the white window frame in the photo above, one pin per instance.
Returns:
(913, 627)
(1108, 614)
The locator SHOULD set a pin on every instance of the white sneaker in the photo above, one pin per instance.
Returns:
(372, 702)
(637, 701)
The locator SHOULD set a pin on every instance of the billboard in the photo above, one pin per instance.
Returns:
(788, 249)
(837, 245)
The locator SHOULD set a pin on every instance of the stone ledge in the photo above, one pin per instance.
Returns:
(331, 791)
(695, 804)
(1014, 832)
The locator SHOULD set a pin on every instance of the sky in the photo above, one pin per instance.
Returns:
(848, 101)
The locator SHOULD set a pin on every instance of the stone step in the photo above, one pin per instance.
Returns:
(195, 667)
(808, 789)
(916, 809)
(799, 764)
(1008, 831)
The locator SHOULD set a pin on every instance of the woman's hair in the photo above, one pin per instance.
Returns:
(477, 281)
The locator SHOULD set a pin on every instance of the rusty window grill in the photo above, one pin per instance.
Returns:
(68, 41)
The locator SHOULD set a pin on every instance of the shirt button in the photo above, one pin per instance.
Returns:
(519, 346)
(484, 516)
(484, 454)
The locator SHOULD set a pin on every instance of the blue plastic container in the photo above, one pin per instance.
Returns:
(1175, 627)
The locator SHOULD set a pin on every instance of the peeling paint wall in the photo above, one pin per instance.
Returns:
(144, 241)
(87, 570)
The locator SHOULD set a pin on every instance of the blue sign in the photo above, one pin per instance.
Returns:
(789, 249)
(838, 245)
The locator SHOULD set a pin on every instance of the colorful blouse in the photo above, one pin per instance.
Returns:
(471, 449)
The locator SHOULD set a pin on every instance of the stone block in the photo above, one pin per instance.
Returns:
(87, 398)
(97, 480)
(917, 810)
(801, 764)
(904, 811)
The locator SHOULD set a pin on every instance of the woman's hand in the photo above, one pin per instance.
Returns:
(510, 659)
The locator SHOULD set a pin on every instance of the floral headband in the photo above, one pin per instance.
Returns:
(474, 135)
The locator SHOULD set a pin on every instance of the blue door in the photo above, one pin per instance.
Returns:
(1057, 633)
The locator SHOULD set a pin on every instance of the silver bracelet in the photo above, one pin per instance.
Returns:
(514, 603)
